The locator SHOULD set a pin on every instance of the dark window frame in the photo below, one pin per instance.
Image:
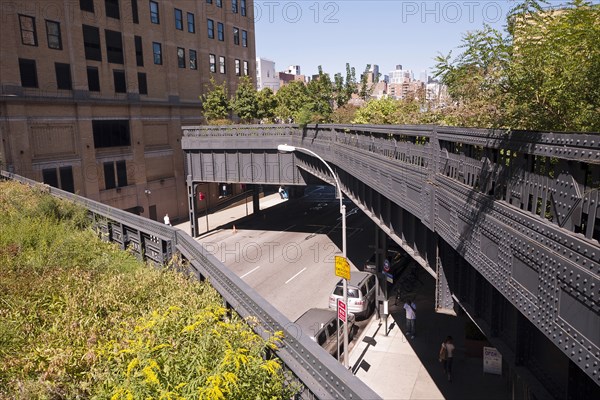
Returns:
(178, 19)
(234, 6)
(111, 133)
(86, 5)
(142, 83)
(220, 3)
(139, 50)
(238, 67)
(246, 68)
(210, 26)
(155, 54)
(94, 83)
(154, 12)
(244, 38)
(180, 57)
(33, 31)
(119, 81)
(134, 12)
(191, 22)
(92, 48)
(61, 178)
(64, 80)
(28, 72)
(243, 7)
(194, 59)
(220, 31)
(212, 63)
(114, 46)
(112, 9)
(222, 65)
(236, 35)
(49, 35)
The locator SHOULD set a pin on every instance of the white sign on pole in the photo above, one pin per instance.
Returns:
(492, 361)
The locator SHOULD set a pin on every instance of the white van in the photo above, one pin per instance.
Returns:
(361, 294)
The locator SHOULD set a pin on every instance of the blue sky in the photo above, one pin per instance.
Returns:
(310, 33)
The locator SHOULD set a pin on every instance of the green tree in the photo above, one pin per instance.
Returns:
(320, 97)
(215, 102)
(245, 103)
(267, 103)
(290, 100)
(365, 90)
(378, 111)
(554, 74)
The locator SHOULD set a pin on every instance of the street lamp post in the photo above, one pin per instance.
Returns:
(290, 149)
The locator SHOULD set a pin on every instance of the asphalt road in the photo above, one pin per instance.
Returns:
(287, 252)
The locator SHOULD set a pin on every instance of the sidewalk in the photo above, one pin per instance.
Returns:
(399, 368)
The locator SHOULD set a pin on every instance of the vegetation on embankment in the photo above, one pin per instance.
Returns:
(79, 318)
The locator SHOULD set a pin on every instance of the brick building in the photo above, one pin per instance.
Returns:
(93, 93)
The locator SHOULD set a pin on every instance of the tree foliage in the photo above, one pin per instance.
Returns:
(267, 103)
(291, 98)
(245, 102)
(542, 74)
(215, 102)
(320, 98)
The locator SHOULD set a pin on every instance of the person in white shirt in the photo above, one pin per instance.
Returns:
(446, 356)
(411, 318)
(167, 220)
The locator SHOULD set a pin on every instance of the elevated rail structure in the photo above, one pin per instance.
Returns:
(507, 222)
(319, 374)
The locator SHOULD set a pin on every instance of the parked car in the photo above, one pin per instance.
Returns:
(321, 326)
(361, 294)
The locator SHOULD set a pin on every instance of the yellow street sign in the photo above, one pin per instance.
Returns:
(342, 268)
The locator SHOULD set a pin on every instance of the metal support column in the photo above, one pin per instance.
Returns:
(256, 199)
(192, 207)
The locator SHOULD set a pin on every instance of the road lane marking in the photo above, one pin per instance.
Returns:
(301, 271)
(249, 272)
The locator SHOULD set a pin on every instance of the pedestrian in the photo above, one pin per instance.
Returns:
(446, 356)
(281, 192)
(411, 317)
(167, 220)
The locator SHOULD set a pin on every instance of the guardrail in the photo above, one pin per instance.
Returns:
(321, 376)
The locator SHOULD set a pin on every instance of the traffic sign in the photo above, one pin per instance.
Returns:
(341, 310)
(342, 268)
(386, 265)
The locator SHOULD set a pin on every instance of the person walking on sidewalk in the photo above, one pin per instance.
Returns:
(446, 356)
(411, 318)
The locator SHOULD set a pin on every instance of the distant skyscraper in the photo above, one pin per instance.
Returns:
(424, 77)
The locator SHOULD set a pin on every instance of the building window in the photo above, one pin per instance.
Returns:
(139, 52)
(154, 18)
(114, 47)
(234, 6)
(221, 31)
(86, 5)
(236, 36)
(245, 38)
(238, 68)
(28, 72)
(28, 32)
(53, 35)
(222, 64)
(181, 57)
(91, 43)
(212, 59)
(157, 52)
(243, 7)
(63, 76)
(119, 78)
(191, 23)
(208, 1)
(93, 79)
(112, 8)
(142, 83)
(193, 60)
(111, 133)
(134, 12)
(211, 28)
(178, 19)
(111, 180)
(51, 177)
(245, 67)
(220, 3)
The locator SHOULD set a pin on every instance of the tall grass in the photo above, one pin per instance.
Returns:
(79, 318)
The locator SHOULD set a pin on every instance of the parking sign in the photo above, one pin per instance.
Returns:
(341, 310)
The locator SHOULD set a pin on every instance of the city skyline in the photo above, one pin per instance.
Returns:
(408, 33)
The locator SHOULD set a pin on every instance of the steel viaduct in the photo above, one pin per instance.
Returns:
(506, 221)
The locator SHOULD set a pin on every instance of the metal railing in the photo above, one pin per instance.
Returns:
(320, 375)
